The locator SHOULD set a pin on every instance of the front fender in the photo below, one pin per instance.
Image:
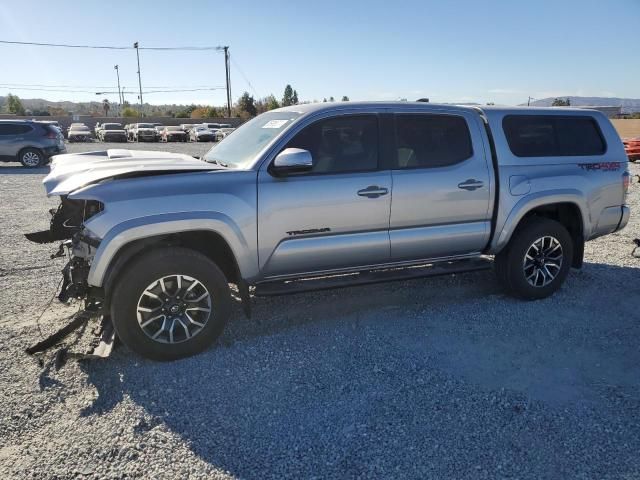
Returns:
(165, 224)
(535, 200)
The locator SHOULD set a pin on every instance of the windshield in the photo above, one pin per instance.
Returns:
(145, 125)
(174, 129)
(240, 149)
(112, 126)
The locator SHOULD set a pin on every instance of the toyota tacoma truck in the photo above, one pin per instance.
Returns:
(330, 195)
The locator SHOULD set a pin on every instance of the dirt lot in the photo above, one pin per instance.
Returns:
(436, 378)
(627, 128)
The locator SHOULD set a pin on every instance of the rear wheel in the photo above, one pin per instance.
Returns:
(537, 260)
(31, 158)
(170, 303)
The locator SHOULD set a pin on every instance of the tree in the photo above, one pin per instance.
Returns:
(267, 103)
(186, 112)
(247, 106)
(287, 99)
(204, 112)
(14, 105)
(106, 107)
(272, 103)
(345, 98)
(324, 100)
(561, 102)
(57, 111)
(129, 112)
(331, 99)
(294, 98)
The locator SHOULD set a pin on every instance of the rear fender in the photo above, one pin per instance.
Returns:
(529, 203)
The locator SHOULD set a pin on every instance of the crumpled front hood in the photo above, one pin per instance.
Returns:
(72, 171)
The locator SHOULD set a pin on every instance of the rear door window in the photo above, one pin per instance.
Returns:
(431, 141)
(14, 129)
(553, 135)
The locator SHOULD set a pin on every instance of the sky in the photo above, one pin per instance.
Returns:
(449, 51)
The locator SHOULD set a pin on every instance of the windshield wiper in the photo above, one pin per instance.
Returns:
(217, 162)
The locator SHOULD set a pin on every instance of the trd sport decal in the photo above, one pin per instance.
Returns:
(311, 230)
(602, 166)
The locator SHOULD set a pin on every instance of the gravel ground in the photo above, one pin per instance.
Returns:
(435, 378)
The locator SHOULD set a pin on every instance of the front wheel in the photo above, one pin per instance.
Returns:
(31, 158)
(170, 303)
(537, 260)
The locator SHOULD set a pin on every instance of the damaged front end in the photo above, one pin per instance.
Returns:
(66, 220)
(79, 246)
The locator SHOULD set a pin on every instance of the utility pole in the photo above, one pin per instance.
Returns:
(135, 45)
(227, 69)
(120, 97)
(529, 101)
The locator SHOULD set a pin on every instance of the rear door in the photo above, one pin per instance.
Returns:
(441, 187)
(13, 138)
(337, 215)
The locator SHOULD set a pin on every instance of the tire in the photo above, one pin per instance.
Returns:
(31, 158)
(143, 275)
(538, 275)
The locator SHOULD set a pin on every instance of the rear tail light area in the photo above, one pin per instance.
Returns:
(50, 132)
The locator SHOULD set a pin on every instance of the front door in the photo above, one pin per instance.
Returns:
(335, 216)
(441, 187)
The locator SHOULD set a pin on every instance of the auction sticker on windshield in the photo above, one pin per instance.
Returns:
(274, 123)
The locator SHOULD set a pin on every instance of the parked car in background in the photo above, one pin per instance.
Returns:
(143, 132)
(75, 125)
(201, 134)
(53, 123)
(159, 129)
(112, 132)
(28, 142)
(173, 134)
(222, 133)
(186, 128)
(79, 132)
(211, 126)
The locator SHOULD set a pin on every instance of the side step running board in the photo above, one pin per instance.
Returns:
(285, 287)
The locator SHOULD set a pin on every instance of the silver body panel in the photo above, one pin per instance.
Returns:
(279, 227)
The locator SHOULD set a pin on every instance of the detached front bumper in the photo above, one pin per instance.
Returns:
(101, 336)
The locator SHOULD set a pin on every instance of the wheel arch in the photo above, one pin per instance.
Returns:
(569, 209)
(30, 147)
(209, 243)
(210, 233)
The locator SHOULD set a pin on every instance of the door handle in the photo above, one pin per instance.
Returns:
(471, 184)
(373, 191)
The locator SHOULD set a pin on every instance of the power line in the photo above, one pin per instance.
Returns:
(137, 48)
(109, 47)
(168, 91)
(94, 86)
(235, 64)
(129, 93)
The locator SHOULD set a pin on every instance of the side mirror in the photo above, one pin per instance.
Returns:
(292, 160)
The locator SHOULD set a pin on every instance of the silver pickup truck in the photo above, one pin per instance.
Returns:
(328, 195)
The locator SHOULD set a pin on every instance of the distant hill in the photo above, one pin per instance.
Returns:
(86, 108)
(629, 105)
